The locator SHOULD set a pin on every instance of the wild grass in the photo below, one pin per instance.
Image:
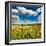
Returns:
(25, 31)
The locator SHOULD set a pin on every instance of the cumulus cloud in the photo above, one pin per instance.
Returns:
(23, 10)
(40, 17)
(26, 11)
(14, 16)
(39, 9)
(32, 13)
(15, 19)
(15, 11)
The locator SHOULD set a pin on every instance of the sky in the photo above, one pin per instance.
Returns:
(27, 14)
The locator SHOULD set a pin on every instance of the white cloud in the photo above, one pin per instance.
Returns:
(14, 16)
(15, 11)
(39, 18)
(26, 11)
(15, 19)
(23, 10)
(39, 10)
(41, 15)
(33, 13)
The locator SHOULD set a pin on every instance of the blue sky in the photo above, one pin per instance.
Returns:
(30, 13)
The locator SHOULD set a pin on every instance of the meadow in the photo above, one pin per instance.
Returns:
(25, 31)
